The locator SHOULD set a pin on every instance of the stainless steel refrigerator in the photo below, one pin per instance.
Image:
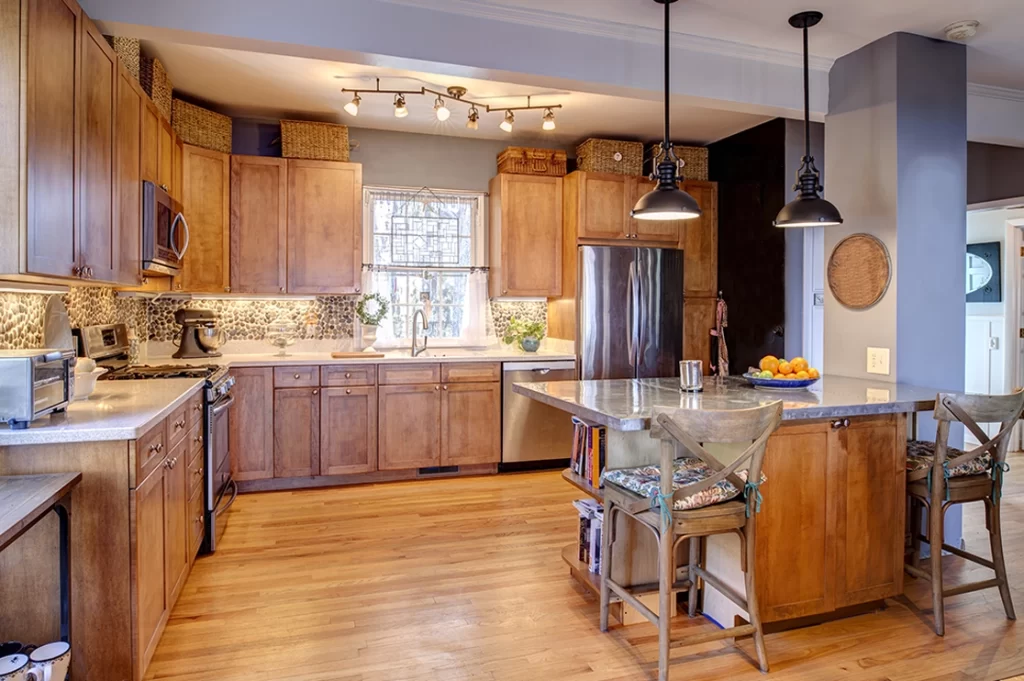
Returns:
(630, 314)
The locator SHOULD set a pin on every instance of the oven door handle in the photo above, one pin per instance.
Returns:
(221, 406)
(234, 495)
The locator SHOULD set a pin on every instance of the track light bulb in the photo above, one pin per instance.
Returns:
(474, 117)
(549, 120)
(510, 119)
(400, 110)
(440, 110)
(352, 108)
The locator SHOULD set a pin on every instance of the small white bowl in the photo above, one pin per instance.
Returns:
(85, 383)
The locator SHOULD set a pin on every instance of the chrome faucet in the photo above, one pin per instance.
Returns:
(422, 312)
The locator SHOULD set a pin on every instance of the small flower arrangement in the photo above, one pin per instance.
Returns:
(371, 309)
(527, 334)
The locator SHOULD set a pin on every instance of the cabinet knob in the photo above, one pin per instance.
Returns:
(437, 387)
(348, 375)
(281, 289)
(358, 290)
(227, 289)
(297, 376)
(198, 407)
(77, 271)
(446, 387)
(164, 187)
(840, 423)
(348, 391)
(316, 392)
(179, 424)
(197, 439)
(504, 291)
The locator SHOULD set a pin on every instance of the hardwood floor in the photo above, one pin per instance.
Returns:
(461, 579)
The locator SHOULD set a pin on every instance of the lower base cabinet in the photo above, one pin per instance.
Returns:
(296, 432)
(470, 424)
(176, 541)
(348, 430)
(409, 423)
(149, 503)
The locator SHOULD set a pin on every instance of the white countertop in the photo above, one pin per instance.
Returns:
(117, 410)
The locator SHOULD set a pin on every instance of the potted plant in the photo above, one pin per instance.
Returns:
(371, 309)
(528, 334)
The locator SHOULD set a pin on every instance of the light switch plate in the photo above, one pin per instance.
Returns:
(878, 361)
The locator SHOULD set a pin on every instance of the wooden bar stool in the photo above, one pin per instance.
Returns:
(694, 502)
(939, 476)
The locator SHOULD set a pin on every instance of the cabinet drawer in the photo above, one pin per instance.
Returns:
(471, 372)
(407, 374)
(348, 374)
(177, 425)
(196, 522)
(149, 451)
(196, 469)
(194, 413)
(196, 440)
(296, 377)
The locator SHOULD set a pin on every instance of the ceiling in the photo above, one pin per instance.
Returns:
(995, 57)
(259, 85)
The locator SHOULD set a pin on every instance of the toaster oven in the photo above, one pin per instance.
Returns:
(34, 383)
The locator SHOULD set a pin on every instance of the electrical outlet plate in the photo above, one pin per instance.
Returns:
(878, 361)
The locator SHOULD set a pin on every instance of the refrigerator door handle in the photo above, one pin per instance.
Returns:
(631, 314)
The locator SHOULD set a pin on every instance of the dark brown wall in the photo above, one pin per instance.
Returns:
(994, 172)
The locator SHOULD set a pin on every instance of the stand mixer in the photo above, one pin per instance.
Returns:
(200, 335)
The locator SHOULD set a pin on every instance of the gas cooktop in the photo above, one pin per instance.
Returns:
(134, 373)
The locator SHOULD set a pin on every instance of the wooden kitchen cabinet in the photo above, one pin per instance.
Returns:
(348, 430)
(325, 227)
(296, 432)
(525, 235)
(206, 201)
(128, 177)
(470, 423)
(259, 224)
(149, 541)
(178, 169)
(150, 141)
(165, 156)
(699, 241)
(176, 525)
(251, 432)
(838, 492)
(409, 426)
(598, 204)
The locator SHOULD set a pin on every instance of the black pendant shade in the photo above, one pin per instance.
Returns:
(808, 209)
(666, 201)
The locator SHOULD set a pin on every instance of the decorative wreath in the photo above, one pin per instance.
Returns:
(371, 309)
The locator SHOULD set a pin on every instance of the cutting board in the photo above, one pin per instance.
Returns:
(357, 355)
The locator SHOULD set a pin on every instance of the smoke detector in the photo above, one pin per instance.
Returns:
(961, 31)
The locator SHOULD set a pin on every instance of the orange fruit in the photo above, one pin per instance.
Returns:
(769, 363)
(778, 376)
(785, 368)
(813, 373)
(803, 374)
(799, 364)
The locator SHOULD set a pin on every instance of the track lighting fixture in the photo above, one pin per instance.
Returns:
(510, 119)
(549, 120)
(474, 117)
(352, 108)
(440, 110)
(400, 110)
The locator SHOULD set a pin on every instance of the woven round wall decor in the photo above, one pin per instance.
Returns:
(859, 271)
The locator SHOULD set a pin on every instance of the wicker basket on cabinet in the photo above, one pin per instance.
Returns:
(610, 156)
(156, 83)
(314, 141)
(529, 161)
(202, 127)
(693, 161)
(128, 51)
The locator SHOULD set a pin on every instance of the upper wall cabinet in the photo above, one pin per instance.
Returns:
(699, 240)
(325, 227)
(598, 204)
(150, 142)
(526, 236)
(206, 197)
(128, 175)
(259, 224)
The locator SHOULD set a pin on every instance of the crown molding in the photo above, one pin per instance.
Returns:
(614, 30)
(995, 92)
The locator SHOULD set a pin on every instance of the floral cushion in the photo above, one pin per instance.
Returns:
(646, 481)
(920, 455)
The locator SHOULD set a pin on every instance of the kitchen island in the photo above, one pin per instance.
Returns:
(831, 530)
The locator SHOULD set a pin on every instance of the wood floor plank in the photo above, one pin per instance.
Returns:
(461, 579)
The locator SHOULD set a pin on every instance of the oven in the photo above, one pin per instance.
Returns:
(221, 489)
(165, 235)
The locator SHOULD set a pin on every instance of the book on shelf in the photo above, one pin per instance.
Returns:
(591, 524)
(589, 450)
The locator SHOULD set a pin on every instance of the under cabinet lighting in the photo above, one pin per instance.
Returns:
(29, 287)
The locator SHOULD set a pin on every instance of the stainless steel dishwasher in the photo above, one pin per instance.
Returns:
(531, 432)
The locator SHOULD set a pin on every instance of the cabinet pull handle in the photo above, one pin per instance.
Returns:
(179, 424)
(198, 407)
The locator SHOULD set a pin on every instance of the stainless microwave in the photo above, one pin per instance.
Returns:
(165, 234)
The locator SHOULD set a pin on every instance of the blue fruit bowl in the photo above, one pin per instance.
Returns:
(786, 384)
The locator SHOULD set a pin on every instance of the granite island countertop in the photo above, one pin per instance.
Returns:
(626, 404)
(432, 355)
(117, 410)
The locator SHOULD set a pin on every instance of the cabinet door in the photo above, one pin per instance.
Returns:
(206, 203)
(348, 430)
(259, 224)
(698, 320)
(325, 226)
(526, 236)
(470, 424)
(176, 521)
(652, 230)
(165, 155)
(127, 156)
(150, 141)
(700, 242)
(251, 434)
(99, 250)
(868, 478)
(409, 426)
(149, 567)
(52, 118)
(795, 522)
(296, 432)
(603, 205)
(177, 169)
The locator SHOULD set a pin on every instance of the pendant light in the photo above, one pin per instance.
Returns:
(666, 201)
(808, 209)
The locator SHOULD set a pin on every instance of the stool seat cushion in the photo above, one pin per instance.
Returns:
(645, 481)
(921, 454)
